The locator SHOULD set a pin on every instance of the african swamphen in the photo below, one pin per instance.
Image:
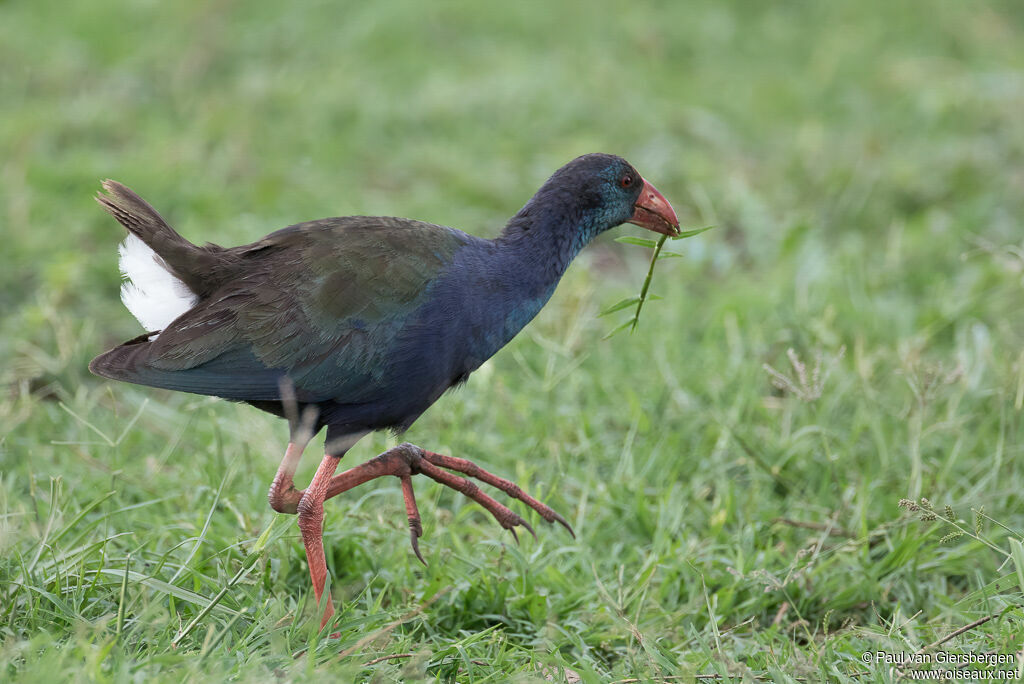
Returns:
(358, 324)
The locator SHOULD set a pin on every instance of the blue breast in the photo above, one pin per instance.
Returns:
(472, 310)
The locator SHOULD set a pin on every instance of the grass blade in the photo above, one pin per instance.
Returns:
(1017, 553)
(123, 597)
(629, 301)
(161, 586)
(639, 242)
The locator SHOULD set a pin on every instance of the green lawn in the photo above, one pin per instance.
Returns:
(863, 164)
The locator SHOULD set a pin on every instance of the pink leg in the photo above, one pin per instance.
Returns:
(311, 523)
(402, 461)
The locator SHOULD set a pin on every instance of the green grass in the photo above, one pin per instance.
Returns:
(863, 165)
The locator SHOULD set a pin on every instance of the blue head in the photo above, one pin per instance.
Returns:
(588, 196)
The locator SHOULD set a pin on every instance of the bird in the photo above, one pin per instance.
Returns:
(359, 324)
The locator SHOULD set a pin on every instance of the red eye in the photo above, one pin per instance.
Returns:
(626, 181)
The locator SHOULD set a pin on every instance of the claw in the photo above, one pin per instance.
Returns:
(561, 521)
(413, 514)
(416, 547)
(528, 528)
(514, 535)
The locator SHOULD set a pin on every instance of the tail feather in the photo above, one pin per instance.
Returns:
(194, 266)
(135, 213)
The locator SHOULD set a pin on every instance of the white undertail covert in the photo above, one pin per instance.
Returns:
(150, 291)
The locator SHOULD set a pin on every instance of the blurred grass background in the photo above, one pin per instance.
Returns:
(864, 166)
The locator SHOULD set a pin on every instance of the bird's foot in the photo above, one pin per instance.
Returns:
(434, 466)
(510, 488)
(406, 460)
(403, 461)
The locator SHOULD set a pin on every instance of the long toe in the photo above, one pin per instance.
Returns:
(467, 467)
(505, 516)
